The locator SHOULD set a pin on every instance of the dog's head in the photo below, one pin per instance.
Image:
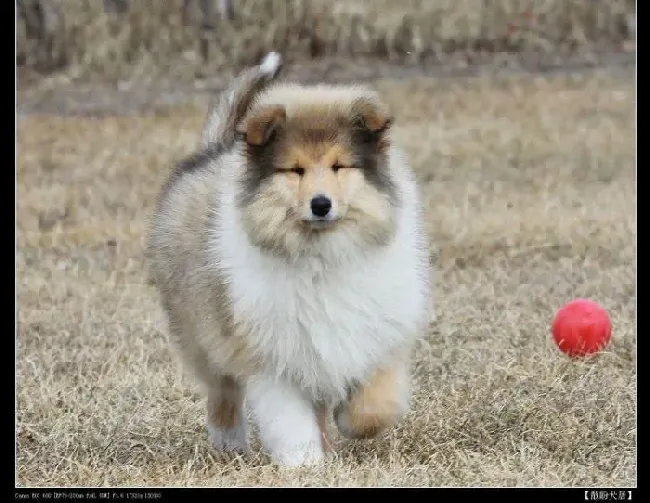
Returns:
(317, 171)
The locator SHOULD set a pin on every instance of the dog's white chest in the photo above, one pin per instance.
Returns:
(323, 332)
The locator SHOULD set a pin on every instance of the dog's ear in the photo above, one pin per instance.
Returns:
(372, 115)
(260, 127)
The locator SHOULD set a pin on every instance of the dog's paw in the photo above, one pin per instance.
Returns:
(294, 458)
(231, 440)
(271, 64)
(362, 424)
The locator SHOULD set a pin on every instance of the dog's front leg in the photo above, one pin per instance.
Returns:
(287, 421)
(376, 404)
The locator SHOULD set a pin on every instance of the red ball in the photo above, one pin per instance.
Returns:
(581, 327)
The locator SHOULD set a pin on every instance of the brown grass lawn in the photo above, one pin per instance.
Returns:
(530, 189)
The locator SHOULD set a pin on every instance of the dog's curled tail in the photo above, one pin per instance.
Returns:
(232, 104)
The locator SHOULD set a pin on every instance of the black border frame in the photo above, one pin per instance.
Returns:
(174, 494)
(180, 494)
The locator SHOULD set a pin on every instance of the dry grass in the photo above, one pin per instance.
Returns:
(174, 37)
(530, 185)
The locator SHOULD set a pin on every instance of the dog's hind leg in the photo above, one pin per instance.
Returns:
(226, 418)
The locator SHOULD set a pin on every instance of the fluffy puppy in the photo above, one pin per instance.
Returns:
(293, 266)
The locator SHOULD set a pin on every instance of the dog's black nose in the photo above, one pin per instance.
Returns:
(320, 206)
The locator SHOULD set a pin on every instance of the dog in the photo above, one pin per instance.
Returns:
(292, 263)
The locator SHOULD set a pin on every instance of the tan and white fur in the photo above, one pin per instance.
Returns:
(282, 306)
